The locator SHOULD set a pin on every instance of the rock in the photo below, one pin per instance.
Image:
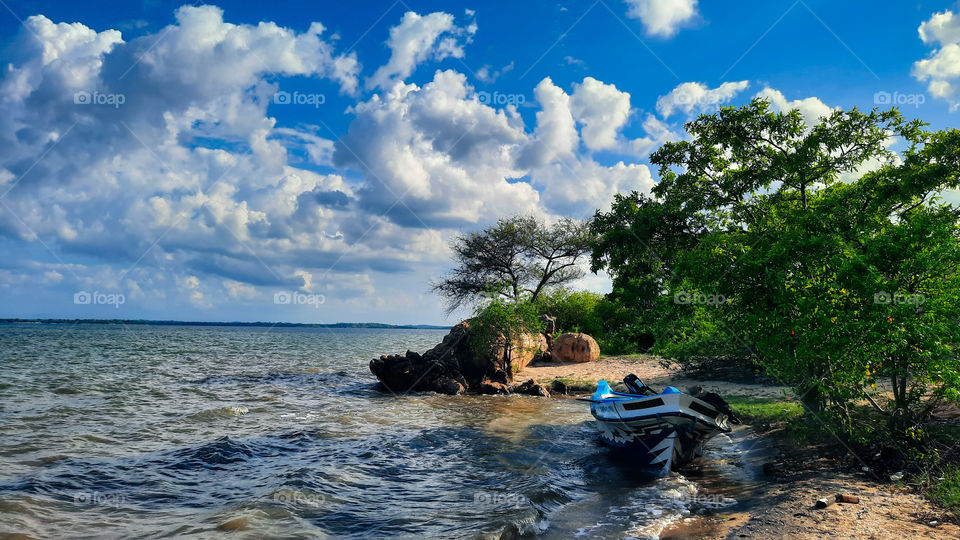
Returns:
(447, 368)
(575, 348)
(558, 387)
(531, 388)
(896, 477)
(528, 348)
(492, 387)
(452, 367)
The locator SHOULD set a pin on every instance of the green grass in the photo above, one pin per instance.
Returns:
(768, 411)
(577, 385)
(946, 492)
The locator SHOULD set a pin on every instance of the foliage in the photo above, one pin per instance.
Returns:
(516, 259)
(830, 278)
(946, 492)
(575, 311)
(500, 324)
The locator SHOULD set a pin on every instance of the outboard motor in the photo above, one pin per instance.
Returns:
(636, 386)
(719, 404)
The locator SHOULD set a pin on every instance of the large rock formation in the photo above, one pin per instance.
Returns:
(575, 348)
(452, 367)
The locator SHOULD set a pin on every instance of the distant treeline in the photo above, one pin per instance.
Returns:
(207, 323)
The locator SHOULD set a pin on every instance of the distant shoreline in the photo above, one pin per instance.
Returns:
(234, 323)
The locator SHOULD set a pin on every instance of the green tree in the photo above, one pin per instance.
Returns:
(516, 259)
(777, 219)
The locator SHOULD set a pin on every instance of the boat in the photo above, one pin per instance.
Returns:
(661, 431)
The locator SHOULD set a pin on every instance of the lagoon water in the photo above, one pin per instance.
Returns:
(168, 431)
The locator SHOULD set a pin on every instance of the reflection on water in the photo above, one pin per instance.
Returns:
(170, 431)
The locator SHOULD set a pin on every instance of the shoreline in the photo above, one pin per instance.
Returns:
(781, 502)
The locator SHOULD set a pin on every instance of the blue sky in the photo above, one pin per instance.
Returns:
(239, 161)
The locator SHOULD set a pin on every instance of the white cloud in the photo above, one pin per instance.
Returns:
(555, 135)
(193, 187)
(811, 108)
(942, 27)
(447, 155)
(578, 189)
(602, 110)
(657, 132)
(941, 69)
(415, 40)
(695, 97)
(662, 17)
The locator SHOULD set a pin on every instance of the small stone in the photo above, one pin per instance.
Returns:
(896, 477)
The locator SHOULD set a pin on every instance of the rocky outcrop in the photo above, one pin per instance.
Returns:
(528, 348)
(452, 367)
(531, 388)
(575, 348)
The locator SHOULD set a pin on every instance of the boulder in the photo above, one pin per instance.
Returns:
(575, 348)
(492, 387)
(531, 388)
(452, 367)
(528, 348)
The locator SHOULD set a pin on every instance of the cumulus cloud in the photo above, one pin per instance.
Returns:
(187, 173)
(602, 110)
(941, 69)
(555, 136)
(435, 156)
(417, 39)
(578, 189)
(189, 192)
(812, 109)
(695, 97)
(662, 17)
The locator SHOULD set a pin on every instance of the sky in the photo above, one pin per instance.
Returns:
(310, 162)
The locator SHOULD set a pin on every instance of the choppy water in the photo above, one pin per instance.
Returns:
(110, 431)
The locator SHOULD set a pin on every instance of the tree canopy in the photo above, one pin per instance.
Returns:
(515, 259)
(828, 258)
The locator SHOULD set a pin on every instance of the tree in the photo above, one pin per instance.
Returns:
(779, 220)
(516, 259)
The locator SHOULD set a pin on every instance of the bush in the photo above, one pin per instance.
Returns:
(501, 319)
(576, 311)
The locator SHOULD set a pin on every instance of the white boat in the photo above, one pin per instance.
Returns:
(662, 431)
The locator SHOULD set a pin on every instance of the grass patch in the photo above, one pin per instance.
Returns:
(946, 492)
(765, 411)
(578, 385)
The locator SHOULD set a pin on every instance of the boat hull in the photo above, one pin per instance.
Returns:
(661, 432)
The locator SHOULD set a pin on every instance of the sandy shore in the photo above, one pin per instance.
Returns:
(781, 503)
(649, 368)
